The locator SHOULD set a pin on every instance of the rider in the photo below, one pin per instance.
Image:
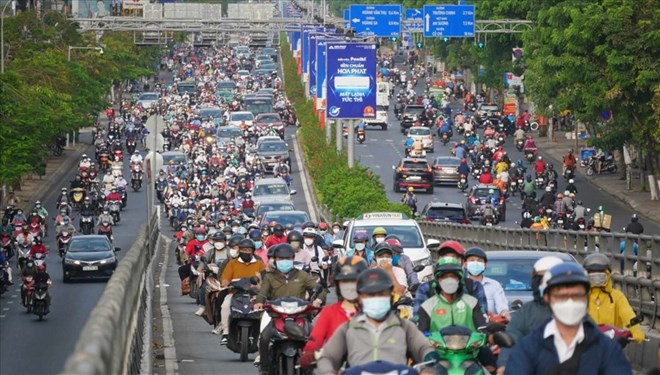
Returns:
(43, 213)
(65, 226)
(106, 217)
(569, 161)
(475, 264)
(577, 346)
(77, 183)
(571, 186)
(277, 237)
(539, 166)
(383, 259)
(486, 177)
(136, 158)
(38, 248)
(530, 144)
(42, 277)
(409, 143)
(635, 227)
(283, 281)
(120, 182)
(361, 247)
(519, 134)
(346, 272)
(377, 333)
(463, 168)
(410, 199)
(608, 305)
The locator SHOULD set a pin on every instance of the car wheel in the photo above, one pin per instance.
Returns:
(395, 187)
(384, 127)
(432, 150)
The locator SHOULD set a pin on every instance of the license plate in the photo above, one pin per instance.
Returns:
(414, 178)
(90, 268)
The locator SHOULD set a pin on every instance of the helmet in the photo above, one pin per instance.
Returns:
(579, 203)
(463, 161)
(374, 280)
(411, 189)
(528, 178)
(560, 196)
(382, 248)
(548, 189)
(309, 232)
(288, 227)
(447, 264)
(566, 193)
(550, 166)
(200, 230)
(349, 268)
(396, 245)
(255, 235)
(452, 246)
(41, 267)
(323, 225)
(283, 250)
(227, 230)
(540, 157)
(634, 218)
(476, 252)
(294, 235)
(564, 274)
(379, 231)
(278, 228)
(491, 191)
(360, 237)
(218, 236)
(597, 262)
(246, 243)
(234, 240)
(571, 181)
(600, 208)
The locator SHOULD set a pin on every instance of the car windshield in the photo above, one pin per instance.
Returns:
(263, 208)
(452, 162)
(269, 51)
(415, 165)
(176, 158)
(187, 88)
(242, 116)
(409, 235)
(272, 147)
(227, 85)
(445, 213)
(229, 133)
(513, 274)
(148, 97)
(271, 189)
(89, 245)
(211, 112)
(483, 193)
(269, 118)
(294, 218)
(489, 108)
(420, 131)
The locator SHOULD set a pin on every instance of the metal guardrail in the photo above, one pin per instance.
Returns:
(112, 341)
(638, 276)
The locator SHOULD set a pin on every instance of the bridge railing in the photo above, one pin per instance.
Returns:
(112, 341)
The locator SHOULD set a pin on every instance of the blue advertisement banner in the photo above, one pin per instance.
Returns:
(320, 67)
(312, 63)
(306, 31)
(351, 80)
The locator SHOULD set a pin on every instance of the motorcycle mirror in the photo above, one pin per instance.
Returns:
(414, 288)
(636, 320)
(117, 249)
(419, 268)
(503, 339)
(315, 259)
(254, 280)
(295, 330)
(338, 244)
(516, 305)
(493, 328)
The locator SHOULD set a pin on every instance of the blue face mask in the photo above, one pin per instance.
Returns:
(200, 238)
(476, 268)
(350, 252)
(285, 265)
(376, 307)
(395, 260)
(258, 244)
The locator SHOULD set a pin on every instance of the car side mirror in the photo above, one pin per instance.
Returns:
(432, 244)
(338, 244)
(516, 305)
(419, 268)
(294, 192)
(117, 249)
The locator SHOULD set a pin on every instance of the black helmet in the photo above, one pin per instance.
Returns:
(234, 240)
(278, 228)
(255, 235)
(382, 248)
(283, 250)
(634, 218)
(597, 262)
(218, 236)
(246, 243)
(288, 227)
(349, 268)
(294, 235)
(374, 280)
(227, 230)
(564, 274)
(476, 252)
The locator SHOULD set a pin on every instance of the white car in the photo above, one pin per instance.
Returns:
(148, 99)
(424, 135)
(407, 230)
(238, 117)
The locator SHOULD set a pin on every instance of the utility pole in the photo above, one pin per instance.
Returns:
(351, 143)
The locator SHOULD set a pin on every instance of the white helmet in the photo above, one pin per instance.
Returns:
(309, 231)
(571, 181)
(548, 189)
(546, 263)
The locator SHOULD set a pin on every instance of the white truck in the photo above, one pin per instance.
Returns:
(383, 103)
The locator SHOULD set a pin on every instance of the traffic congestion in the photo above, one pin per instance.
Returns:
(257, 283)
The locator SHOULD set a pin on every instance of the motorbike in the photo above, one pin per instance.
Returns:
(519, 144)
(539, 181)
(622, 336)
(104, 162)
(462, 182)
(569, 173)
(5, 245)
(39, 259)
(530, 155)
(105, 228)
(23, 253)
(87, 224)
(118, 155)
(4, 282)
(607, 166)
(194, 274)
(500, 141)
(115, 210)
(35, 229)
(124, 196)
(361, 136)
(513, 188)
(292, 325)
(130, 146)
(63, 241)
(39, 300)
(444, 138)
(78, 196)
(27, 288)
(136, 180)
(244, 321)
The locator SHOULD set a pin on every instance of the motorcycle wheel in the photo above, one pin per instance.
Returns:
(245, 342)
(39, 311)
(590, 171)
(614, 168)
(290, 367)
(534, 126)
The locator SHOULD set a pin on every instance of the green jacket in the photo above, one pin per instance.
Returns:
(296, 283)
(436, 313)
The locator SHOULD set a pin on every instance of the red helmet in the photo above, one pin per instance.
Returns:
(323, 225)
(453, 246)
(463, 161)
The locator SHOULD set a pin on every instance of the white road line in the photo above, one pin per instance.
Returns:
(169, 351)
(303, 178)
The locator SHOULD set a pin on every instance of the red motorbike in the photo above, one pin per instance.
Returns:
(35, 228)
(63, 241)
(118, 155)
(105, 228)
(27, 289)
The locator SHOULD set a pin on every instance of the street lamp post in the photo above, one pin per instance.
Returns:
(2, 37)
(100, 49)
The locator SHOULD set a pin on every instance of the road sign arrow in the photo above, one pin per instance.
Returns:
(427, 22)
(356, 20)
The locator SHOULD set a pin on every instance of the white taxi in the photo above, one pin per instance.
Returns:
(424, 135)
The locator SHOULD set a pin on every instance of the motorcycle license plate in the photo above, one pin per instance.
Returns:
(414, 178)
(489, 224)
(90, 268)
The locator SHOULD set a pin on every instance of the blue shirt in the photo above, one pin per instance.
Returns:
(460, 152)
(497, 301)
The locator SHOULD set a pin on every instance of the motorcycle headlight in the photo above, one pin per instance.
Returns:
(456, 342)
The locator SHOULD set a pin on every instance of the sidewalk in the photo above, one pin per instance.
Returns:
(639, 200)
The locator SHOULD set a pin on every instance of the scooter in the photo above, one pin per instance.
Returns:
(39, 300)
(462, 182)
(444, 138)
(244, 321)
(26, 291)
(136, 180)
(361, 136)
(105, 228)
(608, 166)
(23, 253)
(519, 144)
(63, 241)
(114, 208)
(569, 173)
(87, 224)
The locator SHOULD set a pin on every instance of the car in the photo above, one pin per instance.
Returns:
(273, 205)
(411, 114)
(295, 218)
(513, 270)
(227, 134)
(268, 67)
(263, 59)
(485, 111)
(242, 74)
(266, 120)
(269, 189)
(272, 52)
(475, 201)
(424, 135)
(148, 99)
(90, 256)
(380, 120)
(445, 169)
(397, 224)
(415, 173)
(177, 156)
(186, 87)
(444, 212)
(226, 86)
(271, 152)
(211, 113)
(238, 117)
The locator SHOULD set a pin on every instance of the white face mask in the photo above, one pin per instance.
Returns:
(360, 246)
(597, 279)
(348, 290)
(309, 241)
(219, 245)
(569, 312)
(233, 253)
(449, 285)
(380, 239)
(383, 261)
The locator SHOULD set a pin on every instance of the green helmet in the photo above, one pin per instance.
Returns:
(448, 264)
(379, 231)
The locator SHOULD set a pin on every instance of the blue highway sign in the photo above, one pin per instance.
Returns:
(453, 21)
(376, 20)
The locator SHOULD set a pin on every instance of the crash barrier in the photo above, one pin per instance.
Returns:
(112, 340)
(635, 264)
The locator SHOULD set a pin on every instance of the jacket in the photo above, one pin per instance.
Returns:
(359, 342)
(295, 284)
(471, 287)
(610, 306)
(437, 313)
(534, 355)
(531, 315)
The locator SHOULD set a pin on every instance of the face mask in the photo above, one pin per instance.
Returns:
(569, 312)
(219, 245)
(335, 230)
(245, 257)
(285, 265)
(476, 268)
(309, 241)
(295, 245)
(376, 307)
(380, 239)
(235, 229)
(348, 290)
(258, 244)
(200, 238)
(350, 252)
(449, 285)
(233, 253)
(359, 246)
(597, 279)
(322, 232)
(395, 260)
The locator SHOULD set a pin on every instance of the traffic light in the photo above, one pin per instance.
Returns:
(481, 44)
(394, 39)
(420, 44)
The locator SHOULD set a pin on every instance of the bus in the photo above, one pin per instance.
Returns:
(258, 104)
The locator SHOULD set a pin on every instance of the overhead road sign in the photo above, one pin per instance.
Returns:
(351, 80)
(414, 20)
(376, 20)
(452, 21)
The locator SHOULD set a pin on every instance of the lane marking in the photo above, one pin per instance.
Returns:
(303, 178)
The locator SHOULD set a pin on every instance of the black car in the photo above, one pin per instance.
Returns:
(89, 257)
(415, 173)
(411, 114)
(444, 212)
(477, 197)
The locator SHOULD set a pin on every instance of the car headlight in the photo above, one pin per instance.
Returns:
(109, 260)
(423, 262)
(71, 261)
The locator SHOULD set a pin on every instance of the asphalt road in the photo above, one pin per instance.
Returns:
(28, 346)
(384, 149)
